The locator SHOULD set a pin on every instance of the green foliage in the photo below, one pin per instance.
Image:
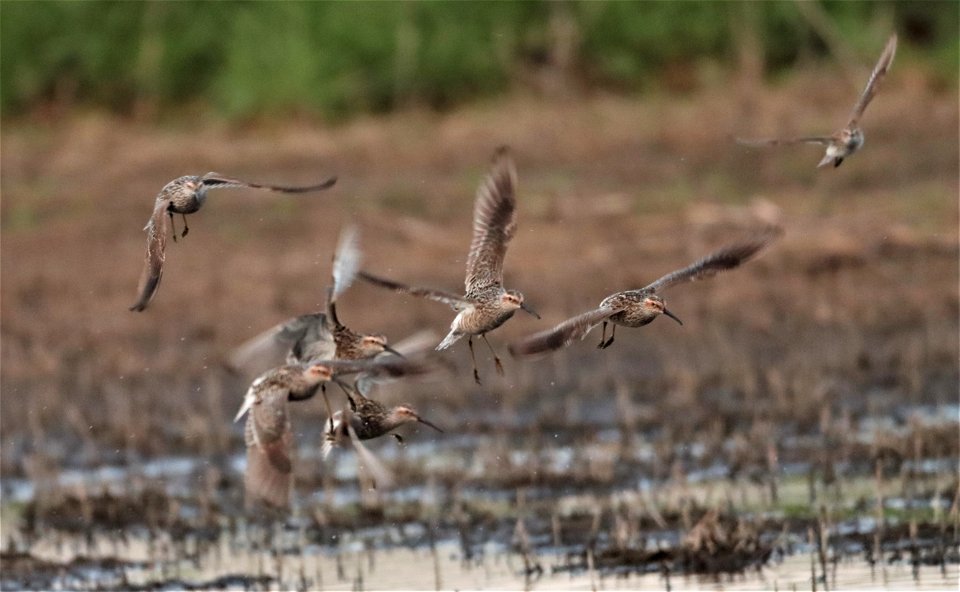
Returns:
(335, 59)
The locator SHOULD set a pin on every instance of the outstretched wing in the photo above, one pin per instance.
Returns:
(158, 228)
(452, 300)
(879, 71)
(563, 334)
(494, 223)
(346, 261)
(765, 142)
(726, 258)
(217, 181)
(295, 340)
(269, 439)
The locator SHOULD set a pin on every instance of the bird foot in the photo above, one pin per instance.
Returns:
(184, 233)
(398, 437)
(606, 344)
(476, 377)
(499, 366)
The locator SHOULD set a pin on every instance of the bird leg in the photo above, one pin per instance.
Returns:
(496, 359)
(329, 409)
(603, 336)
(473, 358)
(173, 227)
(607, 343)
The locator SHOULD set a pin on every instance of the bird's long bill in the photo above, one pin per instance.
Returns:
(672, 316)
(346, 386)
(529, 310)
(247, 404)
(425, 422)
(387, 348)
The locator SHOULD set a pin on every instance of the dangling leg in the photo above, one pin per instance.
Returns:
(173, 227)
(473, 358)
(496, 360)
(613, 331)
(603, 336)
(186, 229)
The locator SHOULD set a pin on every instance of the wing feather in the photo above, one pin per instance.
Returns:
(725, 258)
(494, 223)
(452, 300)
(563, 334)
(879, 71)
(217, 181)
(158, 228)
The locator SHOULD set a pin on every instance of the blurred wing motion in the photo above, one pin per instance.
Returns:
(157, 228)
(728, 257)
(563, 334)
(269, 439)
(346, 261)
(337, 430)
(494, 223)
(452, 300)
(295, 340)
(765, 142)
(879, 71)
(217, 181)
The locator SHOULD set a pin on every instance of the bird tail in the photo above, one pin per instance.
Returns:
(451, 338)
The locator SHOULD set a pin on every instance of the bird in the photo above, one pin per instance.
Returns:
(318, 335)
(844, 142)
(636, 308)
(268, 433)
(185, 195)
(486, 304)
(368, 419)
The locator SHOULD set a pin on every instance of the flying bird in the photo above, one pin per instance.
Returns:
(636, 308)
(185, 195)
(319, 335)
(486, 304)
(844, 142)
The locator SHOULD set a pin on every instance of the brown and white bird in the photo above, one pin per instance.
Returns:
(368, 419)
(268, 432)
(636, 308)
(486, 304)
(320, 335)
(846, 141)
(186, 195)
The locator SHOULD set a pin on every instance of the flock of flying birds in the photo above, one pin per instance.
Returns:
(302, 355)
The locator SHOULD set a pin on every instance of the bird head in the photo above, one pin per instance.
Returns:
(654, 305)
(405, 414)
(512, 300)
(371, 345)
(317, 373)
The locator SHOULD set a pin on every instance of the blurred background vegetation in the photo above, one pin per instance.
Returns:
(332, 60)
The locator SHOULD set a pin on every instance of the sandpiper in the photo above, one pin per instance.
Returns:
(319, 335)
(368, 419)
(486, 304)
(846, 141)
(185, 195)
(268, 434)
(636, 308)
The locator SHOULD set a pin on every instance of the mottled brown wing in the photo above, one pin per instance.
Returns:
(765, 142)
(452, 300)
(494, 223)
(563, 334)
(728, 257)
(269, 440)
(217, 181)
(879, 71)
(265, 479)
(158, 228)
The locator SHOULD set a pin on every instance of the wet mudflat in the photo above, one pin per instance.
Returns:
(799, 431)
